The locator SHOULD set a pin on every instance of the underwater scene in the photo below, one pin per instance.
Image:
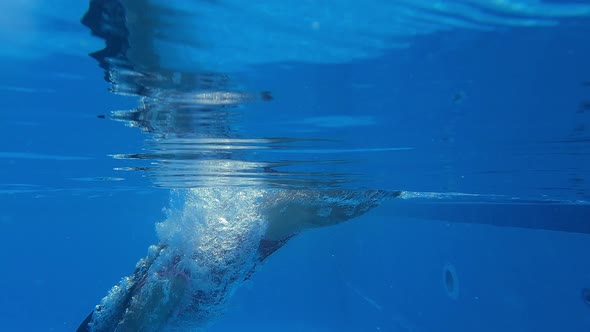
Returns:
(230, 165)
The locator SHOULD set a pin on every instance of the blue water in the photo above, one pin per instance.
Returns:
(481, 121)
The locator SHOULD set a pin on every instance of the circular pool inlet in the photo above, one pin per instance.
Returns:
(451, 281)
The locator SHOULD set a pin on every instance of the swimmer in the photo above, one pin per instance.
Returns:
(167, 292)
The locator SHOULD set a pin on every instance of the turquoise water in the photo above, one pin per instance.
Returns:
(299, 166)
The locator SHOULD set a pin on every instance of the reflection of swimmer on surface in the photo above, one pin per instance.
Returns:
(183, 284)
